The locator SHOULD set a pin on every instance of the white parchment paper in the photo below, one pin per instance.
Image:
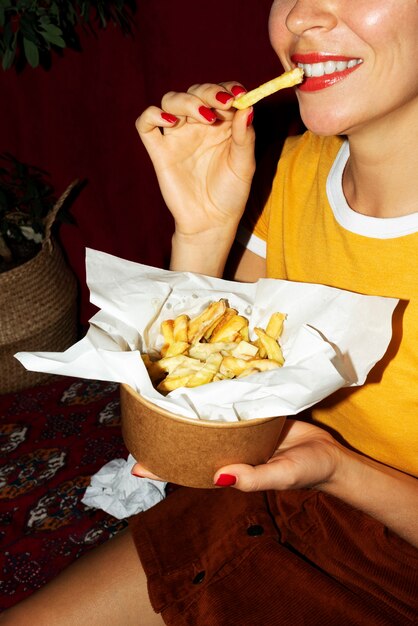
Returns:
(332, 338)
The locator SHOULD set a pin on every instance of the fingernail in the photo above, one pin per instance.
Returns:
(223, 96)
(250, 118)
(226, 480)
(237, 90)
(208, 114)
(172, 119)
(137, 474)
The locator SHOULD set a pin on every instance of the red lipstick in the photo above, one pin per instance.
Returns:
(317, 83)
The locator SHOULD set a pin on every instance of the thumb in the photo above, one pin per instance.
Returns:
(249, 478)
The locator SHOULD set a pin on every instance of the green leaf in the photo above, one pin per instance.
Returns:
(56, 40)
(31, 52)
(51, 29)
(8, 58)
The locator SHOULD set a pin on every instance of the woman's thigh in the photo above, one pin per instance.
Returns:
(105, 587)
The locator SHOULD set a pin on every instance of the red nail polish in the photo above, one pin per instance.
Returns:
(223, 96)
(208, 114)
(226, 480)
(172, 119)
(237, 90)
(250, 118)
(137, 475)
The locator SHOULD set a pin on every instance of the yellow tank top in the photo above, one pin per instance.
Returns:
(311, 235)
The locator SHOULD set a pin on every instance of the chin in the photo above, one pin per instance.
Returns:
(325, 119)
(325, 125)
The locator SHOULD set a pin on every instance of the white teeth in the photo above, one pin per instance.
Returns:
(318, 69)
(329, 67)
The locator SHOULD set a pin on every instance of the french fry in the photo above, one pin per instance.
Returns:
(202, 351)
(274, 327)
(230, 330)
(180, 328)
(206, 373)
(169, 364)
(245, 350)
(167, 328)
(232, 366)
(288, 79)
(215, 345)
(272, 348)
(199, 325)
(175, 348)
(173, 382)
(213, 328)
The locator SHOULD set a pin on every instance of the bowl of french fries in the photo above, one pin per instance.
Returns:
(213, 346)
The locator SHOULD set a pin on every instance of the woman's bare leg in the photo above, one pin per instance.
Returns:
(105, 587)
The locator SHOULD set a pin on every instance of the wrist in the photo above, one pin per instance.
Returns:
(340, 470)
(203, 253)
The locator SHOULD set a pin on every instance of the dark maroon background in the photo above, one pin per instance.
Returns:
(76, 120)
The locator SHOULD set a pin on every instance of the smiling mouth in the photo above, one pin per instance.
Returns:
(316, 70)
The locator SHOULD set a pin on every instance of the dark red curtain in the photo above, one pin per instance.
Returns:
(76, 120)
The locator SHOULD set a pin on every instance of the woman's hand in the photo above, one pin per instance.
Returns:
(307, 456)
(203, 153)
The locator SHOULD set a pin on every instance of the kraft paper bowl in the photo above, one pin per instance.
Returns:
(188, 451)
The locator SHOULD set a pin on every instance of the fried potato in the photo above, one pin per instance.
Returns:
(288, 79)
(180, 328)
(270, 345)
(167, 331)
(203, 351)
(245, 350)
(199, 325)
(206, 373)
(169, 364)
(177, 347)
(275, 324)
(213, 328)
(230, 330)
(214, 345)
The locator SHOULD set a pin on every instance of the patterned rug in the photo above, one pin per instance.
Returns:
(52, 439)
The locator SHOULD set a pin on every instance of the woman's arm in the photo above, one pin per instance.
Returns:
(309, 456)
(203, 154)
(386, 494)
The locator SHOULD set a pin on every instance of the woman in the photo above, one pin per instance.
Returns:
(327, 530)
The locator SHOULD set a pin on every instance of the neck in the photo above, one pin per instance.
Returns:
(380, 179)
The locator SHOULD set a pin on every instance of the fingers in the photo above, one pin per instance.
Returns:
(203, 103)
(141, 472)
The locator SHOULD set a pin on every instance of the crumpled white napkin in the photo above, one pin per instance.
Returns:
(117, 492)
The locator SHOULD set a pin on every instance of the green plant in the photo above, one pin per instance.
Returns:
(31, 29)
(26, 199)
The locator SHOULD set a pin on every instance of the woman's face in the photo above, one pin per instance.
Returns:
(359, 57)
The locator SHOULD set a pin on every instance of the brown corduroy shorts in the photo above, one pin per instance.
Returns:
(226, 558)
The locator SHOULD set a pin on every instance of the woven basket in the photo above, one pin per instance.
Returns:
(38, 309)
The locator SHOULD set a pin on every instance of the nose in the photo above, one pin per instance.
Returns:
(307, 15)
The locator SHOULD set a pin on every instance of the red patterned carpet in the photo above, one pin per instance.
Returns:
(52, 439)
